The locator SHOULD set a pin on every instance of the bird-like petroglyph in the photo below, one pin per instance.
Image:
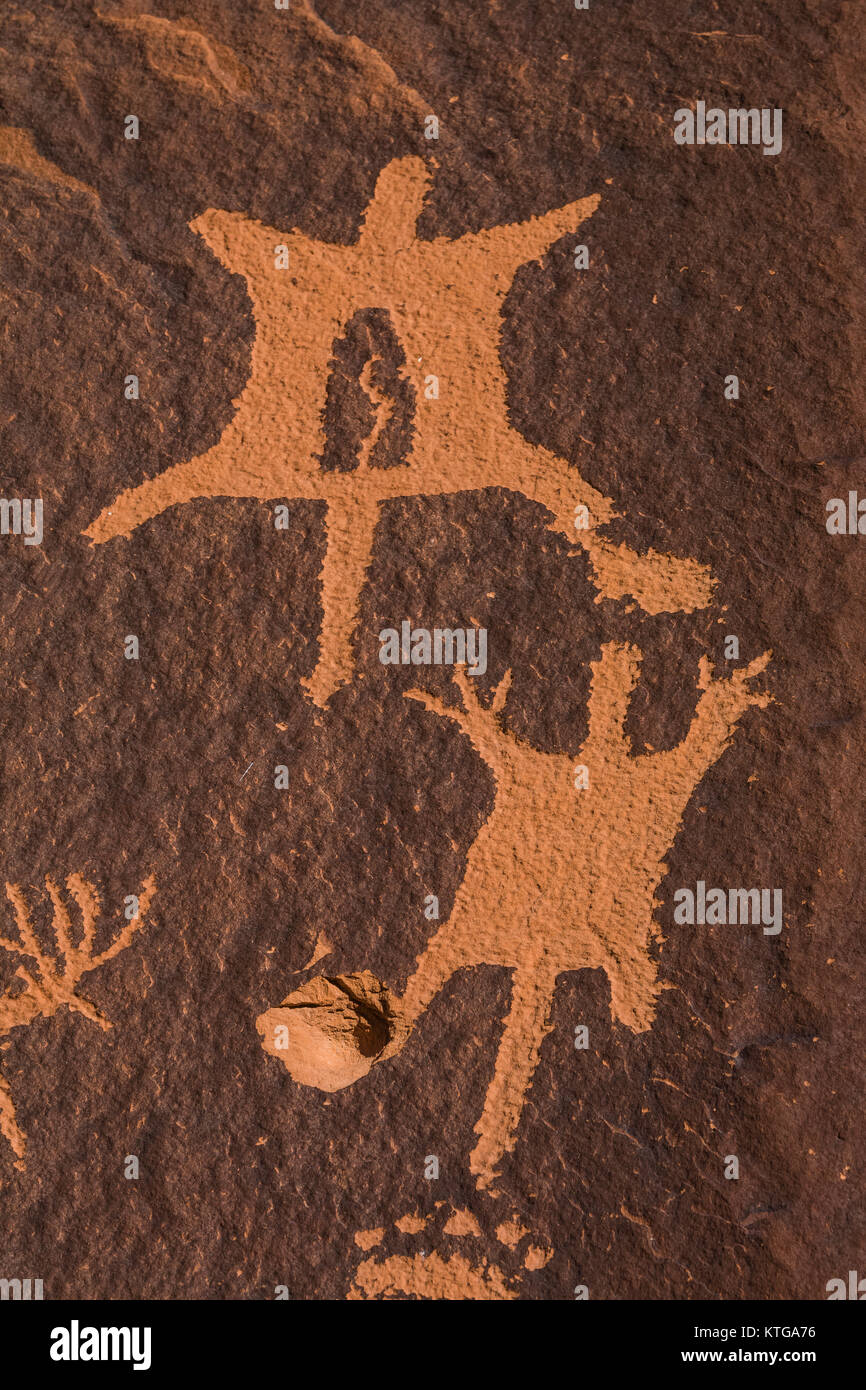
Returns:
(444, 300)
(558, 879)
(44, 981)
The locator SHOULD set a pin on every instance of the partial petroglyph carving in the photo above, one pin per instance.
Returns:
(438, 1271)
(433, 1277)
(558, 879)
(44, 981)
(444, 299)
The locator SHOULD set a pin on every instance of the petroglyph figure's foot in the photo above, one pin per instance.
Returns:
(331, 1031)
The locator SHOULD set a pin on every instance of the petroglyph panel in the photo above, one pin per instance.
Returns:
(433, 441)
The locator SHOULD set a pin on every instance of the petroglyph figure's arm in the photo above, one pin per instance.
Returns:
(721, 705)
(269, 448)
(614, 677)
(210, 475)
(513, 244)
(658, 582)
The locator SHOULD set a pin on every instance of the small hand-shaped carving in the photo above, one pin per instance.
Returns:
(43, 982)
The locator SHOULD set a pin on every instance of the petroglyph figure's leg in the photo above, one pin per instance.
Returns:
(336, 1030)
(516, 1060)
(322, 1032)
(441, 958)
(350, 526)
(327, 1019)
(658, 583)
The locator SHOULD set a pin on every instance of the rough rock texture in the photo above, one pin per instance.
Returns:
(262, 895)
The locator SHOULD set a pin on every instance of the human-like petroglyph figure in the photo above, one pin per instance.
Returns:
(558, 879)
(43, 982)
(444, 299)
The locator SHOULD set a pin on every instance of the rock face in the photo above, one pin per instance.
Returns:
(317, 322)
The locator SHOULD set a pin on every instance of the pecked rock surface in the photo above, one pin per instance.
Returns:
(506, 1070)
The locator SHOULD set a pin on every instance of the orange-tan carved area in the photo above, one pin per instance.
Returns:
(452, 1274)
(46, 981)
(432, 1276)
(557, 880)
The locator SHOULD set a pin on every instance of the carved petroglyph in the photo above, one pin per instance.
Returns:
(433, 1277)
(444, 299)
(45, 982)
(444, 1273)
(557, 880)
